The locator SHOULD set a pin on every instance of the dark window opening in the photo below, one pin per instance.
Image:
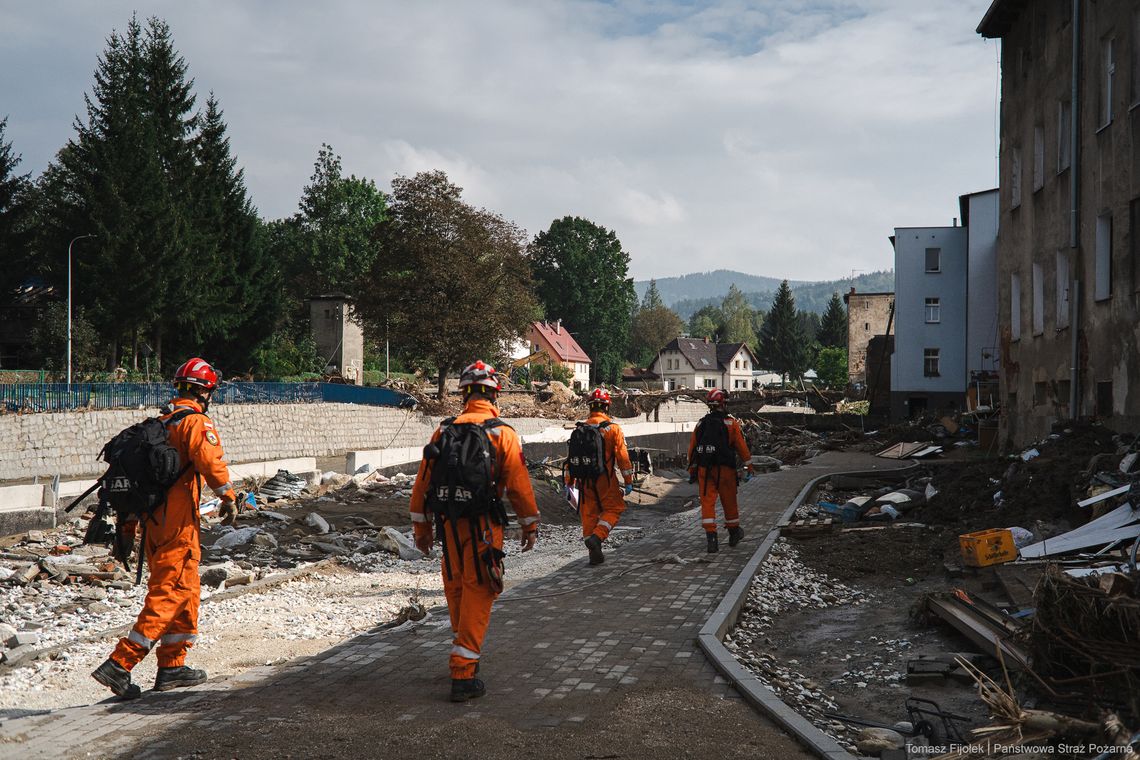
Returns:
(1104, 399)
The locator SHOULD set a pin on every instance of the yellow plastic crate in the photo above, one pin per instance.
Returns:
(987, 547)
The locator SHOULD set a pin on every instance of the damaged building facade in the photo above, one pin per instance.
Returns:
(1068, 276)
(868, 316)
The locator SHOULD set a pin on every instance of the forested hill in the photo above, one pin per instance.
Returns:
(708, 285)
(688, 293)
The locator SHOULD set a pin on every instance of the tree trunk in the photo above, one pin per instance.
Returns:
(114, 355)
(135, 349)
(158, 349)
(441, 382)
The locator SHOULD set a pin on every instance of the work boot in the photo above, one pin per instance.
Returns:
(594, 544)
(178, 677)
(463, 689)
(714, 546)
(734, 536)
(117, 678)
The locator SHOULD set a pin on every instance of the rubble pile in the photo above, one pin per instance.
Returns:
(784, 584)
(1084, 638)
(773, 446)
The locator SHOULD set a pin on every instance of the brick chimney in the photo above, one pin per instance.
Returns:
(706, 339)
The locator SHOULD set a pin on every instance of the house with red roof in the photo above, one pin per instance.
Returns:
(560, 348)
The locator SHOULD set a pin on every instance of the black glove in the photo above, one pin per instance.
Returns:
(692, 476)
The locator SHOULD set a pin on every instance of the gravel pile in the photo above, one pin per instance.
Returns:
(784, 584)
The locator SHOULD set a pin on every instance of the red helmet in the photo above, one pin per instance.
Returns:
(599, 396)
(479, 374)
(716, 397)
(197, 372)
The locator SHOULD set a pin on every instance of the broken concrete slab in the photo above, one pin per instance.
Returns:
(396, 542)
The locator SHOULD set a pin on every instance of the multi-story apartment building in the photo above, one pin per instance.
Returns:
(1068, 248)
(945, 317)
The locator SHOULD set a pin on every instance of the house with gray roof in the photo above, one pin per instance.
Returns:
(700, 363)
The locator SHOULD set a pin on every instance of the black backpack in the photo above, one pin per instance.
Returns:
(713, 448)
(464, 476)
(586, 460)
(142, 466)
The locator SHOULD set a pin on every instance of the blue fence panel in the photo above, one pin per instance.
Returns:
(268, 393)
(360, 394)
(52, 397)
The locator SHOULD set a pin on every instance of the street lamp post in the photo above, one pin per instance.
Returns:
(80, 237)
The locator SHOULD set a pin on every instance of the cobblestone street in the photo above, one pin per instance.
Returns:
(584, 662)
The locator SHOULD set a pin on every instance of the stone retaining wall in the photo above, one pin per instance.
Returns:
(68, 443)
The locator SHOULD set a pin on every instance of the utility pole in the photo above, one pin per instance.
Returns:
(81, 237)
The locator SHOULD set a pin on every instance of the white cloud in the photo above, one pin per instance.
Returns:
(737, 134)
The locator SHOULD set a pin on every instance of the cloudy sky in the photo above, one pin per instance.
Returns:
(777, 137)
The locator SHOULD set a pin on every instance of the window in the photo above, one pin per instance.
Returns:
(1135, 56)
(1038, 299)
(1064, 388)
(930, 362)
(736, 364)
(1104, 399)
(1064, 135)
(1134, 239)
(710, 383)
(1039, 395)
(1062, 319)
(933, 259)
(866, 326)
(1038, 157)
(1015, 307)
(1015, 177)
(1103, 287)
(933, 310)
(1107, 78)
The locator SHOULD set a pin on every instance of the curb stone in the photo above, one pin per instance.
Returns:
(710, 638)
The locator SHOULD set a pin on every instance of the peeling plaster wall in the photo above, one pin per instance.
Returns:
(1036, 78)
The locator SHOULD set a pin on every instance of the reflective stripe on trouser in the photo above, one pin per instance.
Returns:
(713, 482)
(169, 616)
(599, 519)
(468, 601)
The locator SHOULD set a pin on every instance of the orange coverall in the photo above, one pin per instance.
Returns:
(601, 503)
(469, 600)
(173, 547)
(720, 480)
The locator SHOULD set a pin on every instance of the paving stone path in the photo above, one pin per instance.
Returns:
(568, 655)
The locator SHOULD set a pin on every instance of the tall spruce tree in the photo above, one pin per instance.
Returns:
(581, 276)
(833, 327)
(242, 311)
(176, 259)
(782, 345)
(13, 205)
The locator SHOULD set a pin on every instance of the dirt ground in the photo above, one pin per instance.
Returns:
(858, 653)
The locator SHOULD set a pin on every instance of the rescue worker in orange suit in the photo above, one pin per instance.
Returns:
(601, 501)
(713, 448)
(472, 537)
(171, 541)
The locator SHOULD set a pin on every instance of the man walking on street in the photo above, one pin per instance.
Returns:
(597, 449)
(172, 544)
(714, 447)
(471, 463)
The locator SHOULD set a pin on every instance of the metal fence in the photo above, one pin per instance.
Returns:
(56, 397)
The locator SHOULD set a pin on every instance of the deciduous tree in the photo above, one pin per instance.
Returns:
(450, 280)
(581, 276)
